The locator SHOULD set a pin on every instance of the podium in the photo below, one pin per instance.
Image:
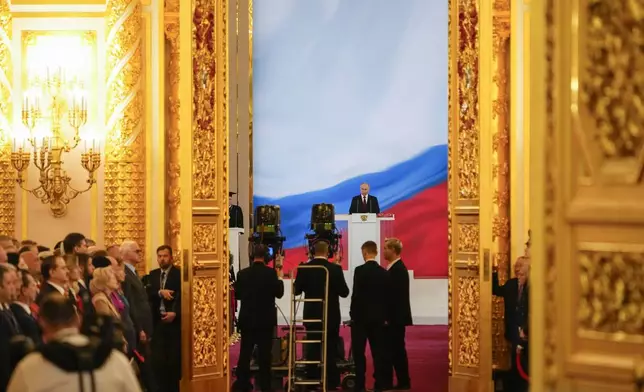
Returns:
(233, 242)
(363, 228)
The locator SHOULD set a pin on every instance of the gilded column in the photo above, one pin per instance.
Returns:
(501, 174)
(210, 129)
(173, 133)
(7, 182)
(125, 141)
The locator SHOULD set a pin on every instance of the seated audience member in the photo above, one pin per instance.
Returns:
(21, 307)
(55, 366)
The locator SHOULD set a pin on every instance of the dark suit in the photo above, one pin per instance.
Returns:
(256, 287)
(358, 206)
(28, 324)
(516, 311)
(312, 283)
(236, 216)
(398, 318)
(368, 313)
(137, 297)
(166, 338)
(47, 289)
(8, 329)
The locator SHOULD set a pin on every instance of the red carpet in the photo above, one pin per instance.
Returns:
(427, 352)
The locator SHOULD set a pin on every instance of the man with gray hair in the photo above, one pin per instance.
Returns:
(140, 310)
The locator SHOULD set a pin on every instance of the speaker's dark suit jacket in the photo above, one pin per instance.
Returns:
(399, 305)
(358, 207)
(256, 287)
(28, 324)
(137, 296)
(370, 291)
(312, 283)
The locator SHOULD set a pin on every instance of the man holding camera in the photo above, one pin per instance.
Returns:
(69, 361)
(257, 287)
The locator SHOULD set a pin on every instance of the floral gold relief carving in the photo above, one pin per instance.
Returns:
(204, 237)
(468, 238)
(205, 320)
(125, 169)
(173, 137)
(467, 318)
(7, 181)
(612, 86)
(468, 103)
(612, 292)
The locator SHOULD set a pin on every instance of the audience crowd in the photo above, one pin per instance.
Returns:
(78, 317)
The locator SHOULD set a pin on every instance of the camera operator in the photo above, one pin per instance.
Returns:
(70, 361)
(312, 282)
(257, 287)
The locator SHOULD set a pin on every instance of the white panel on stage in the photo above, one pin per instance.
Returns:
(428, 301)
(234, 234)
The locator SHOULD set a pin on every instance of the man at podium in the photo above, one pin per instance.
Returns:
(364, 203)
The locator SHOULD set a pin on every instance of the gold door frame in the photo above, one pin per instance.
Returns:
(479, 189)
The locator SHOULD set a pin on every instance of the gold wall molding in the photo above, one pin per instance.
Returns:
(501, 176)
(173, 132)
(464, 290)
(7, 181)
(125, 147)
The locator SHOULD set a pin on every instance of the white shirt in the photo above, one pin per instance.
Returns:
(131, 267)
(364, 198)
(392, 263)
(35, 374)
(81, 282)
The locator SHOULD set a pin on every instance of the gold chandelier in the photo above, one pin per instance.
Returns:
(51, 102)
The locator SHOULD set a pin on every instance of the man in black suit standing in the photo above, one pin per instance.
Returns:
(364, 203)
(140, 310)
(27, 289)
(368, 313)
(257, 287)
(235, 212)
(164, 292)
(55, 275)
(312, 283)
(8, 324)
(398, 317)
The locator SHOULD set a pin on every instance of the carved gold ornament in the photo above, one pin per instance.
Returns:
(7, 181)
(125, 169)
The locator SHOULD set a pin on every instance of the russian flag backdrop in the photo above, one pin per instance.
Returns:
(346, 92)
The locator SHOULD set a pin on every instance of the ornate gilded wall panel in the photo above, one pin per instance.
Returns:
(125, 166)
(7, 181)
(173, 133)
(209, 289)
(593, 216)
(612, 293)
(463, 189)
(501, 176)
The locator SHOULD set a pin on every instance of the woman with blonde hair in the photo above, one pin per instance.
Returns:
(102, 286)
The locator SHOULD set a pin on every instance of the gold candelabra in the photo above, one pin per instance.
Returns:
(43, 110)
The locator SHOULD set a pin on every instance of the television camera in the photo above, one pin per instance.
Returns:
(266, 231)
(323, 228)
